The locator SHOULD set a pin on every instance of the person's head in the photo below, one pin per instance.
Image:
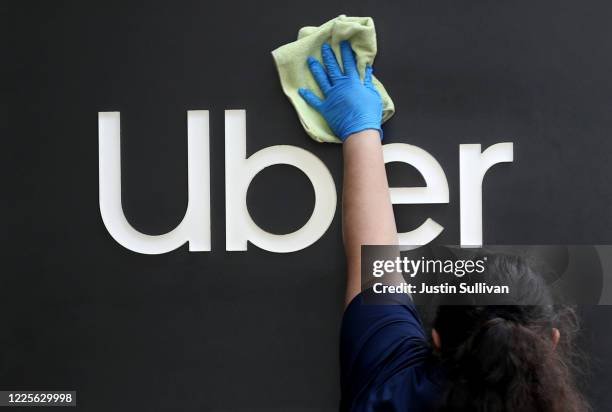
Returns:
(511, 356)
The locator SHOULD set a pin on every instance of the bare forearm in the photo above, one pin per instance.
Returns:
(367, 214)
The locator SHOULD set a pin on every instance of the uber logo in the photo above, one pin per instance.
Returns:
(240, 170)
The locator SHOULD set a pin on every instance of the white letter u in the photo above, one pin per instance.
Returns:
(195, 226)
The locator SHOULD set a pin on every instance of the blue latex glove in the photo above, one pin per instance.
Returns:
(350, 106)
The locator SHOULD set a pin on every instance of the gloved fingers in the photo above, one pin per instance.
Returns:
(348, 59)
(367, 78)
(318, 72)
(331, 64)
(310, 98)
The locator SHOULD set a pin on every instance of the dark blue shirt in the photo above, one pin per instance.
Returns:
(386, 360)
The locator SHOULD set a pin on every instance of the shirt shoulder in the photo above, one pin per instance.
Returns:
(383, 346)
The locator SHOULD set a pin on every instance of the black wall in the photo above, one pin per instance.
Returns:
(254, 330)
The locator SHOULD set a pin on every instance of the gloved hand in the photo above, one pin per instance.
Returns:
(350, 106)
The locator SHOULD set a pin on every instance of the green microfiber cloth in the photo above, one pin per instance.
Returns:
(293, 71)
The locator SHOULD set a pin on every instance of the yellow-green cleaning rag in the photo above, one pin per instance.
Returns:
(293, 71)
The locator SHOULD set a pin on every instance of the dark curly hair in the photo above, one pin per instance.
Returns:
(501, 357)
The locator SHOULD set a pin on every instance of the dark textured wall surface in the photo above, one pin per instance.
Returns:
(254, 330)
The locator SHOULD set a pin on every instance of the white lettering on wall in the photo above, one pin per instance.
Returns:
(239, 171)
(473, 166)
(434, 191)
(195, 226)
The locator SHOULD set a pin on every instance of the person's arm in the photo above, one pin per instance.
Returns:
(367, 214)
(353, 110)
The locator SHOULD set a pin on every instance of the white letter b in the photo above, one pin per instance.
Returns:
(239, 171)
